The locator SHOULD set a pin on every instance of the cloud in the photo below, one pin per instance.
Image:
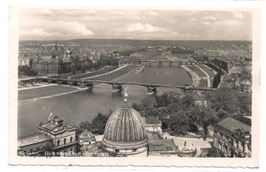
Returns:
(153, 13)
(45, 11)
(52, 23)
(139, 27)
(56, 29)
(205, 23)
(182, 35)
(237, 15)
(70, 28)
(194, 19)
(209, 18)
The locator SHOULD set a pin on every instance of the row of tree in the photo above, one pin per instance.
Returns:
(26, 70)
(97, 125)
(76, 64)
(182, 113)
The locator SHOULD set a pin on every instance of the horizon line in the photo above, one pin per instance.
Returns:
(132, 39)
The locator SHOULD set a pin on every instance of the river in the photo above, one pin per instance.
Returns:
(84, 106)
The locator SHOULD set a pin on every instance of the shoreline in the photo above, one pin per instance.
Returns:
(194, 76)
(69, 92)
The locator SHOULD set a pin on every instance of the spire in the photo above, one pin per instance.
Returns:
(55, 47)
(50, 117)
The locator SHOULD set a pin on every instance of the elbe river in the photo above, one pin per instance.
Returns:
(84, 106)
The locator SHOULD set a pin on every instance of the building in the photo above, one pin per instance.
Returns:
(157, 146)
(34, 144)
(24, 61)
(63, 134)
(125, 133)
(153, 124)
(232, 136)
(86, 138)
(53, 136)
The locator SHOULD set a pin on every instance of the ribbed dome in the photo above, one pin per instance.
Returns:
(125, 128)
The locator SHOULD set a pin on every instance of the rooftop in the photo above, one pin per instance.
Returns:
(161, 145)
(86, 136)
(152, 120)
(32, 139)
(55, 124)
(234, 123)
(157, 143)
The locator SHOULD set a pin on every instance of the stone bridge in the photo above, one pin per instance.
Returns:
(117, 86)
(162, 62)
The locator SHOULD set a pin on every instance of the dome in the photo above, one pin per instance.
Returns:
(125, 129)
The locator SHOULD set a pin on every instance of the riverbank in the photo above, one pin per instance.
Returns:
(194, 76)
(39, 92)
(199, 76)
(106, 73)
(54, 90)
(104, 70)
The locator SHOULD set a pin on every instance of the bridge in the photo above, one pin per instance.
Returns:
(117, 86)
(162, 62)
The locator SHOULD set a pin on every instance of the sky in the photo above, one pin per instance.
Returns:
(61, 24)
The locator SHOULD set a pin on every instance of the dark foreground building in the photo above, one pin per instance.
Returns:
(55, 136)
(232, 136)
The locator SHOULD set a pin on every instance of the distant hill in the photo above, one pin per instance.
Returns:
(130, 42)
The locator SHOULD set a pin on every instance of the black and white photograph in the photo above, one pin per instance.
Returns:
(135, 82)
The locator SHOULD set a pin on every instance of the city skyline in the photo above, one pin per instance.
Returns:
(64, 24)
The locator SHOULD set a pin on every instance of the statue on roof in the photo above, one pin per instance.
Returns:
(50, 117)
(125, 95)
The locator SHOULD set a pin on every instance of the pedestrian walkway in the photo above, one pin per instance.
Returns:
(191, 143)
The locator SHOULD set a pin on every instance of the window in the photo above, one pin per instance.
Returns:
(116, 150)
(225, 147)
(64, 141)
(58, 142)
(134, 150)
(71, 139)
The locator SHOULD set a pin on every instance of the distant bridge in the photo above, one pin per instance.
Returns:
(116, 85)
(161, 62)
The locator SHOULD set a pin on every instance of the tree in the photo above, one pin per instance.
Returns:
(179, 123)
(26, 70)
(223, 98)
(245, 102)
(188, 100)
(98, 123)
(163, 112)
(221, 114)
(217, 79)
(213, 153)
(85, 125)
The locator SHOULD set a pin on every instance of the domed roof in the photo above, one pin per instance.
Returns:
(125, 129)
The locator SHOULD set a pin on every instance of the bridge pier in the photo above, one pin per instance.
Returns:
(117, 89)
(90, 87)
(151, 90)
(81, 84)
(51, 81)
(59, 82)
(72, 83)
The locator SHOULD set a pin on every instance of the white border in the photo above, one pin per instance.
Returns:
(168, 3)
